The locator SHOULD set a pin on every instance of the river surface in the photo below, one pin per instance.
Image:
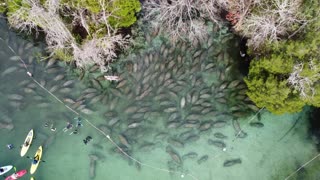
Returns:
(178, 112)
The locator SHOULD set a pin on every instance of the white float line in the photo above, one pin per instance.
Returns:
(109, 138)
(315, 157)
(238, 134)
(182, 175)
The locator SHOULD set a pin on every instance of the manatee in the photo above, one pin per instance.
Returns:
(219, 135)
(231, 162)
(92, 170)
(217, 143)
(202, 159)
(190, 155)
(257, 124)
(175, 142)
(219, 124)
(174, 155)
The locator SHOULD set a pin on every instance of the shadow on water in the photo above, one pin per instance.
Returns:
(243, 57)
(315, 126)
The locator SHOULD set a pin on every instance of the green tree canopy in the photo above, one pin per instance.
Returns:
(124, 12)
(269, 75)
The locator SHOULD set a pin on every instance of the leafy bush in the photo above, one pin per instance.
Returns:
(288, 77)
(124, 12)
(271, 91)
(14, 5)
(91, 5)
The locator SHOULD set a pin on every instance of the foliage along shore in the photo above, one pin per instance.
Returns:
(283, 37)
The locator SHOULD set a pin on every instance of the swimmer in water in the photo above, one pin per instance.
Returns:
(69, 126)
(53, 128)
(46, 124)
(79, 123)
(74, 132)
(10, 146)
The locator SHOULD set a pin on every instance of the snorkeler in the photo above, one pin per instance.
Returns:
(53, 128)
(10, 146)
(46, 124)
(79, 123)
(74, 132)
(69, 126)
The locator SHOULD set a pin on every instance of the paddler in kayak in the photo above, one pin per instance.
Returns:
(14, 176)
(17, 175)
(35, 160)
(26, 143)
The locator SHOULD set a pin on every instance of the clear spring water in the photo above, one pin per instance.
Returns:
(162, 113)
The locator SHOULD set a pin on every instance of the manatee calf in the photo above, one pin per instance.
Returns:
(231, 162)
(256, 124)
(217, 143)
(238, 131)
(219, 124)
(174, 155)
(203, 159)
(219, 135)
(190, 155)
(175, 142)
(92, 169)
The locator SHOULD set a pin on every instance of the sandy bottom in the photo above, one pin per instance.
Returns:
(67, 157)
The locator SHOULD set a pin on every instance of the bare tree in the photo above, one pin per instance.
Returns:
(79, 18)
(183, 19)
(269, 22)
(304, 84)
(95, 50)
(99, 51)
(238, 10)
(27, 18)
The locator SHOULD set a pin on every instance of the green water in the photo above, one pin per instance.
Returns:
(166, 101)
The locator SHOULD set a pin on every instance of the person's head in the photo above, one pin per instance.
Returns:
(1, 169)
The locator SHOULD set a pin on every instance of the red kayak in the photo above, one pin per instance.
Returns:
(17, 175)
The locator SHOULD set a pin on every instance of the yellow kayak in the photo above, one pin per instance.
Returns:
(36, 160)
(27, 143)
(31, 178)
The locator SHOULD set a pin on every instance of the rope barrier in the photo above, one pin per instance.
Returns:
(238, 134)
(315, 157)
(182, 175)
